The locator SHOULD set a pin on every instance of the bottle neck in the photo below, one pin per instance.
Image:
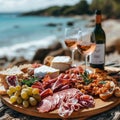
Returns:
(98, 20)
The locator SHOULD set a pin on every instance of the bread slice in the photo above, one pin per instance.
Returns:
(46, 70)
(117, 92)
(10, 72)
(47, 60)
(109, 93)
(24, 68)
(61, 62)
(2, 90)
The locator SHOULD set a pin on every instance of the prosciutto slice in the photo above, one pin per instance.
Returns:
(66, 101)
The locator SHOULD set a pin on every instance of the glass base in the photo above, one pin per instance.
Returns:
(88, 71)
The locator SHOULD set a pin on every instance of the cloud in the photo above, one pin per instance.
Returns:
(28, 5)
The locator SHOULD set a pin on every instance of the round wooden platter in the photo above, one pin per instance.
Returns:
(100, 106)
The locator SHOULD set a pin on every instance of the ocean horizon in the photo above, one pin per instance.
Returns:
(26, 34)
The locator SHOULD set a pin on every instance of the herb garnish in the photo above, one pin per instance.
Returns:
(102, 82)
(86, 78)
(30, 81)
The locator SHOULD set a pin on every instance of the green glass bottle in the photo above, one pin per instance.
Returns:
(97, 59)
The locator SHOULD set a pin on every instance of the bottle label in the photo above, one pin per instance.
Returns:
(98, 56)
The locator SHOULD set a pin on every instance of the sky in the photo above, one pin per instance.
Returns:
(29, 5)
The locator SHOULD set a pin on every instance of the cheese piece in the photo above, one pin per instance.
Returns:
(46, 70)
(61, 62)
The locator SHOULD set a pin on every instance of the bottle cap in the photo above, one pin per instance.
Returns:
(98, 12)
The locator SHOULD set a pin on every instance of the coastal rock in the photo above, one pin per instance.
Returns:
(90, 24)
(59, 52)
(66, 52)
(3, 62)
(53, 24)
(113, 47)
(77, 55)
(4, 58)
(43, 52)
(117, 45)
(70, 23)
(19, 61)
(55, 46)
(110, 49)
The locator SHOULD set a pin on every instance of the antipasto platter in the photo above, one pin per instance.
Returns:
(57, 90)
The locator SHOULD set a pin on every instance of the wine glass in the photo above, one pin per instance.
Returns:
(85, 46)
(71, 38)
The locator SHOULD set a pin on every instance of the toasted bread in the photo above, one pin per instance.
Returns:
(47, 60)
(10, 72)
(109, 93)
(24, 68)
(117, 92)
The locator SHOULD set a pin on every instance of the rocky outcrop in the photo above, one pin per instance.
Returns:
(113, 47)
(53, 24)
(43, 52)
(40, 55)
(19, 61)
(55, 46)
(70, 23)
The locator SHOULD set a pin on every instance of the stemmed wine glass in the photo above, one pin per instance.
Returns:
(71, 38)
(85, 46)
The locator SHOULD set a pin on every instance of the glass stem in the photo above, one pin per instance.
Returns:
(86, 61)
(73, 51)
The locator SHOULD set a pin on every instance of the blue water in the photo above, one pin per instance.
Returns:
(19, 31)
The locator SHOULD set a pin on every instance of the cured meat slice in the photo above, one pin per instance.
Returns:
(45, 106)
(65, 110)
(66, 101)
(60, 83)
(46, 93)
(56, 99)
(86, 100)
(74, 103)
(48, 82)
(64, 87)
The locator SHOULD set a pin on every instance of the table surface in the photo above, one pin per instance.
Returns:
(8, 114)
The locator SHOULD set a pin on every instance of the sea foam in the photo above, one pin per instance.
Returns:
(27, 49)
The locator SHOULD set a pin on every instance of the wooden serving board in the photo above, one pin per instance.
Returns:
(100, 106)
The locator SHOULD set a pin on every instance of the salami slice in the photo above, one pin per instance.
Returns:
(54, 100)
(66, 101)
(45, 106)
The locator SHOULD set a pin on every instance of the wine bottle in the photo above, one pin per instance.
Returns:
(97, 59)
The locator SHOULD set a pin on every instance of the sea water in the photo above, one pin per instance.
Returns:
(23, 35)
